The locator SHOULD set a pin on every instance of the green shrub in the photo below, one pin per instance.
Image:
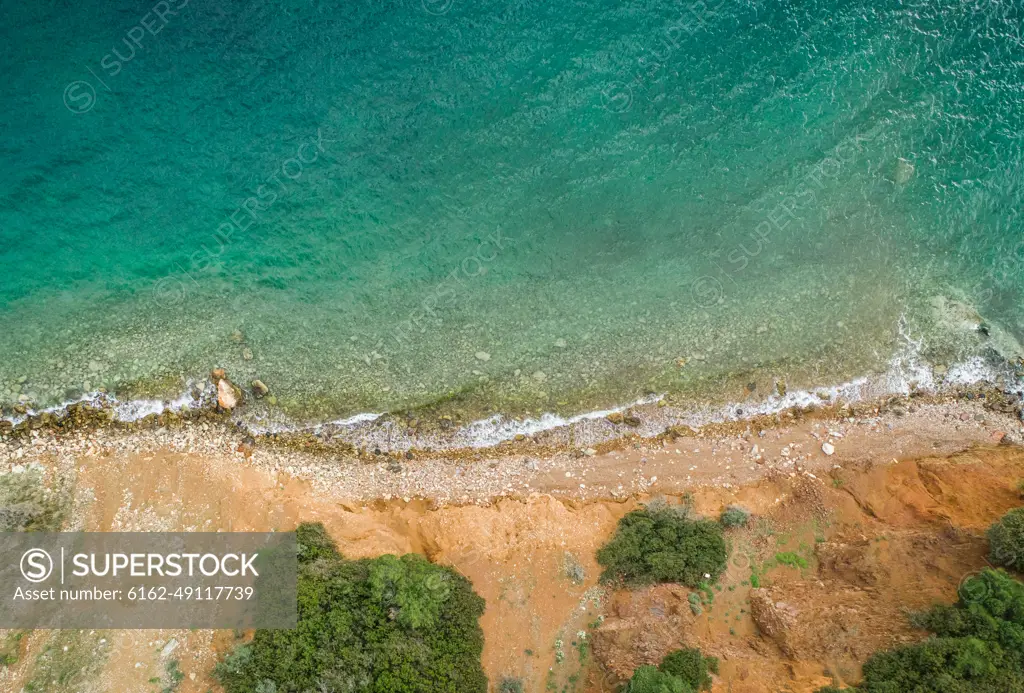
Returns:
(174, 676)
(1006, 540)
(791, 559)
(510, 685)
(652, 546)
(648, 679)
(389, 624)
(978, 648)
(10, 647)
(28, 505)
(681, 671)
(734, 516)
(692, 667)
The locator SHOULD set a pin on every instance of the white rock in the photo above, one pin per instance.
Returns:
(827, 448)
(170, 647)
(226, 396)
(482, 356)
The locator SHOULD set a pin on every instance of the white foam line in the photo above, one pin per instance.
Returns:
(906, 373)
(497, 429)
(971, 371)
(90, 398)
(131, 410)
(351, 422)
(356, 420)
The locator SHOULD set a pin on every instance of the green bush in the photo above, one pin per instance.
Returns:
(383, 625)
(978, 645)
(661, 545)
(648, 679)
(793, 560)
(1006, 540)
(734, 516)
(692, 667)
(28, 505)
(681, 671)
(510, 685)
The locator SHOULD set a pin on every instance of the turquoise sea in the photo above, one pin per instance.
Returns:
(514, 206)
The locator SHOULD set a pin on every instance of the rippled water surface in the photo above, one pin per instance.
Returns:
(512, 206)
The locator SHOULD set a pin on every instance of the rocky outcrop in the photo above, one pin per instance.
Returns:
(774, 618)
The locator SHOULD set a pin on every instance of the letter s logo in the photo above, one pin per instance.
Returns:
(36, 565)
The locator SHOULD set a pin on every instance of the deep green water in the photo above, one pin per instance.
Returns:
(524, 205)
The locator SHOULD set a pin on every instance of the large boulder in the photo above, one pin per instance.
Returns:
(229, 395)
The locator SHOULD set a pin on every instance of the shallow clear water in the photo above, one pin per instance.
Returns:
(513, 206)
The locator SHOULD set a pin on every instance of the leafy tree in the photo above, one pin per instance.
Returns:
(691, 666)
(681, 671)
(978, 645)
(1006, 540)
(409, 587)
(383, 625)
(661, 545)
(648, 679)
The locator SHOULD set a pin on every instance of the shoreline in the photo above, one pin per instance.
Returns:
(906, 376)
(676, 458)
(514, 546)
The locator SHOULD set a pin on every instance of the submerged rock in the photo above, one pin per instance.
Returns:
(904, 171)
(259, 389)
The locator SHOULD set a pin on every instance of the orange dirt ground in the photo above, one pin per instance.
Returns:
(866, 545)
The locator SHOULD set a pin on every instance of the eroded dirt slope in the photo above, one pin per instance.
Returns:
(840, 563)
(822, 577)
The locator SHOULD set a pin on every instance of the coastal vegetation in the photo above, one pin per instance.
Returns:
(681, 671)
(1006, 540)
(389, 624)
(734, 516)
(664, 544)
(977, 645)
(28, 504)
